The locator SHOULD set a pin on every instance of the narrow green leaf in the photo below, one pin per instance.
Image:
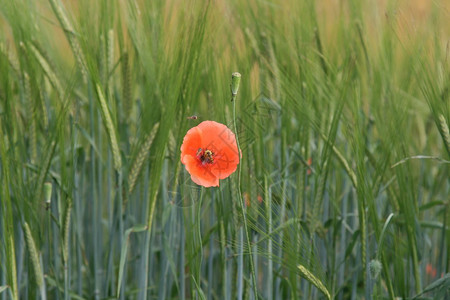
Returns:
(124, 251)
(3, 288)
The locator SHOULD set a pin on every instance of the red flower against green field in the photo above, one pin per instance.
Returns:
(209, 153)
(430, 270)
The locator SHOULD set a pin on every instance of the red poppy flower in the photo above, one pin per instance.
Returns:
(430, 270)
(209, 153)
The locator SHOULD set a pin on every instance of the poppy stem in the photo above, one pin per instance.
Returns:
(235, 80)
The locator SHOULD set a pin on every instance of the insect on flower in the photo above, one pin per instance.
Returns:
(206, 156)
(209, 153)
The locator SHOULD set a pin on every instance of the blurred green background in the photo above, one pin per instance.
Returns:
(343, 121)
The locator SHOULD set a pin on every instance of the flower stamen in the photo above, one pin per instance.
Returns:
(205, 156)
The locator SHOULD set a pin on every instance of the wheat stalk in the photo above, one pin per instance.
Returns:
(11, 59)
(47, 70)
(126, 84)
(108, 123)
(58, 9)
(66, 232)
(140, 159)
(445, 132)
(34, 255)
(31, 116)
(308, 275)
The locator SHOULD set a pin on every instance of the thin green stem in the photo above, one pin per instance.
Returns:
(241, 202)
(199, 238)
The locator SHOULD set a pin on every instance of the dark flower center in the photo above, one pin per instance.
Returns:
(206, 156)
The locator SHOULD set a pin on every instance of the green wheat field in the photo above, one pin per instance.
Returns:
(342, 118)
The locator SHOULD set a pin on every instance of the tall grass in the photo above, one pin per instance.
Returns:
(342, 118)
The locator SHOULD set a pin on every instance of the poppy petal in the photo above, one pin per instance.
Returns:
(226, 162)
(199, 174)
(216, 135)
(191, 143)
(205, 183)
